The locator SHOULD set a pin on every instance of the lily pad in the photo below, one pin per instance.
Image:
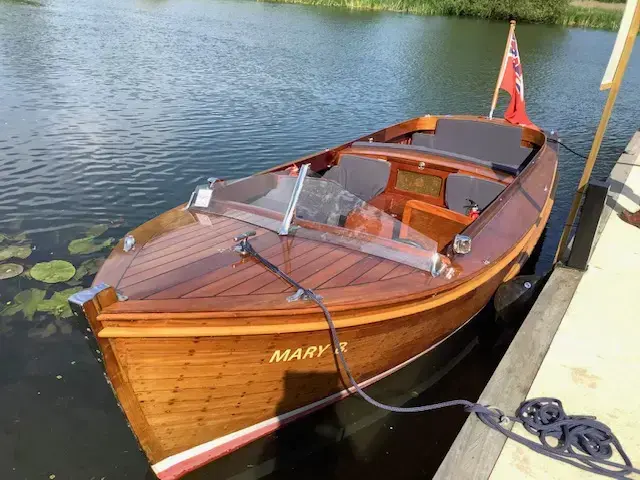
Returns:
(54, 271)
(88, 267)
(10, 270)
(88, 245)
(17, 251)
(97, 230)
(45, 332)
(58, 304)
(20, 237)
(26, 302)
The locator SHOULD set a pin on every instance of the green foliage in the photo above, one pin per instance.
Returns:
(26, 302)
(54, 271)
(10, 270)
(97, 230)
(31, 301)
(533, 11)
(15, 251)
(18, 238)
(528, 11)
(88, 267)
(86, 245)
(58, 304)
(592, 18)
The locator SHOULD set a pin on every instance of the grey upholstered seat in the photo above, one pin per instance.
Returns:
(459, 188)
(423, 140)
(488, 142)
(362, 176)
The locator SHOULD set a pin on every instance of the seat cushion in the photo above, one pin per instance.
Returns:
(459, 188)
(362, 176)
(495, 143)
(423, 140)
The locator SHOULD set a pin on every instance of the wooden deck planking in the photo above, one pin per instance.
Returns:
(278, 285)
(175, 236)
(209, 242)
(235, 279)
(197, 237)
(399, 271)
(223, 242)
(188, 286)
(162, 236)
(192, 270)
(317, 266)
(354, 271)
(331, 271)
(267, 276)
(376, 273)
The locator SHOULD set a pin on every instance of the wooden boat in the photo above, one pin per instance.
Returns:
(406, 233)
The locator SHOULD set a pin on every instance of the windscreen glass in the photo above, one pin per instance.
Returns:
(325, 211)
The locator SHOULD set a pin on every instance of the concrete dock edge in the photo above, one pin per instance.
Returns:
(477, 447)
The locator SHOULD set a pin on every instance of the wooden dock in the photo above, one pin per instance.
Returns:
(580, 343)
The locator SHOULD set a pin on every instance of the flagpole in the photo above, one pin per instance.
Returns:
(512, 29)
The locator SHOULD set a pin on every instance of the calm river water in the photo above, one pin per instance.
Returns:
(110, 113)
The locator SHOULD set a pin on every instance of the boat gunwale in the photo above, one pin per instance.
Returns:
(343, 318)
(142, 310)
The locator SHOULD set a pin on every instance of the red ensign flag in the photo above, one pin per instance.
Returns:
(512, 82)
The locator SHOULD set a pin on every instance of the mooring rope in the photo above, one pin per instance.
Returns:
(578, 440)
(568, 148)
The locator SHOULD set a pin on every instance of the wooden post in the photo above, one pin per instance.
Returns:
(494, 101)
(602, 127)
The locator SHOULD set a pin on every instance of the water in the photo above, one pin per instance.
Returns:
(111, 113)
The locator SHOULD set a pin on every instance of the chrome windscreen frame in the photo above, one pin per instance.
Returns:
(291, 209)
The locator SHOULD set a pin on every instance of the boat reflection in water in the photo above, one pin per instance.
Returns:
(406, 234)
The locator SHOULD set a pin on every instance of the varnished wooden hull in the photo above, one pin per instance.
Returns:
(233, 390)
(201, 375)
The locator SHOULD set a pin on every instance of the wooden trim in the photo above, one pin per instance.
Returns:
(427, 123)
(435, 210)
(411, 158)
(340, 321)
(441, 174)
(127, 400)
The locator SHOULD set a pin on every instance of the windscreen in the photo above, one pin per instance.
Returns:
(325, 211)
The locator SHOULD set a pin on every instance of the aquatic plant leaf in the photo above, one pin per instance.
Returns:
(54, 271)
(15, 251)
(45, 332)
(20, 237)
(10, 270)
(97, 230)
(88, 267)
(64, 326)
(58, 304)
(88, 245)
(26, 302)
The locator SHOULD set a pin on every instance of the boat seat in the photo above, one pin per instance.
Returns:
(423, 140)
(362, 176)
(459, 188)
(500, 145)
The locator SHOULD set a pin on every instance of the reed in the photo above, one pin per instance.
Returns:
(591, 18)
(528, 11)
